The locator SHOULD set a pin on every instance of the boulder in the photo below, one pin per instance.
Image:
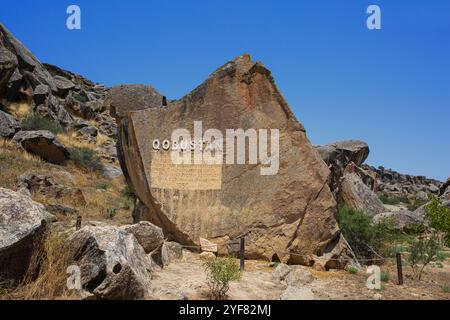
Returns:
(63, 86)
(44, 144)
(354, 194)
(444, 191)
(110, 171)
(40, 94)
(168, 252)
(403, 219)
(293, 207)
(22, 222)
(207, 256)
(8, 125)
(338, 155)
(149, 236)
(299, 278)
(113, 265)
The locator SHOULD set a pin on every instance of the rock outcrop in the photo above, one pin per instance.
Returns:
(22, 222)
(339, 154)
(402, 186)
(8, 125)
(44, 144)
(403, 220)
(289, 215)
(113, 264)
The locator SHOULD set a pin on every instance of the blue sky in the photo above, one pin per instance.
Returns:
(390, 88)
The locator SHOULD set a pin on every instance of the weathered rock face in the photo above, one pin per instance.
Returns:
(22, 222)
(44, 144)
(113, 265)
(354, 194)
(403, 219)
(289, 212)
(339, 154)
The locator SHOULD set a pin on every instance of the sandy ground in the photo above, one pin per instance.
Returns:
(185, 279)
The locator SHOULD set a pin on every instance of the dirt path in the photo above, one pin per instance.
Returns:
(185, 279)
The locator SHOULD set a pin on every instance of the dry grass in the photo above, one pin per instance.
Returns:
(46, 277)
(71, 139)
(19, 109)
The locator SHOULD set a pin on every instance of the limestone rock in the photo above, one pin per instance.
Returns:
(356, 195)
(403, 219)
(299, 278)
(281, 272)
(44, 144)
(168, 252)
(113, 265)
(149, 236)
(110, 171)
(339, 154)
(22, 222)
(294, 208)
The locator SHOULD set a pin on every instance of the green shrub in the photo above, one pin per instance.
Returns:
(445, 288)
(439, 217)
(385, 276)
(362, 234)
(393, 200)
(103, 185)
(111, 213)
(442, 256)
(85, 158)
(220, 272)
(35, 121)
(351, 269)
(421, 252)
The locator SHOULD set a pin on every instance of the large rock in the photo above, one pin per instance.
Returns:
(112, 262)
(338, 155)
(444, 191)
(292, 211)
(402, 220)
(149, 236)
(8, 125)
(354, 194)
(22, 222)
(44, 144)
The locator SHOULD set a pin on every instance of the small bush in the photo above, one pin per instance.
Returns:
(220, 272)
(103, 185)
(421, 252)
(442, 256)
(351, 269)
(393, 200)
(35, 121)
(445, 288)
(385, 276)
(439, 217)
(85, 158)
(111, 213)
(362, 234)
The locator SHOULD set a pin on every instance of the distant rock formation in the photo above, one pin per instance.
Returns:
(288, 216)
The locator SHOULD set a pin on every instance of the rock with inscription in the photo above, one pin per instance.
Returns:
(263, 180)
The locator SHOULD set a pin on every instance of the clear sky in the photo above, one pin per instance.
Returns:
(388, 87)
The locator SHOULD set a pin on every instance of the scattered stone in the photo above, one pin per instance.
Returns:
(207, 256)
(207, 245)
(281, 271)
